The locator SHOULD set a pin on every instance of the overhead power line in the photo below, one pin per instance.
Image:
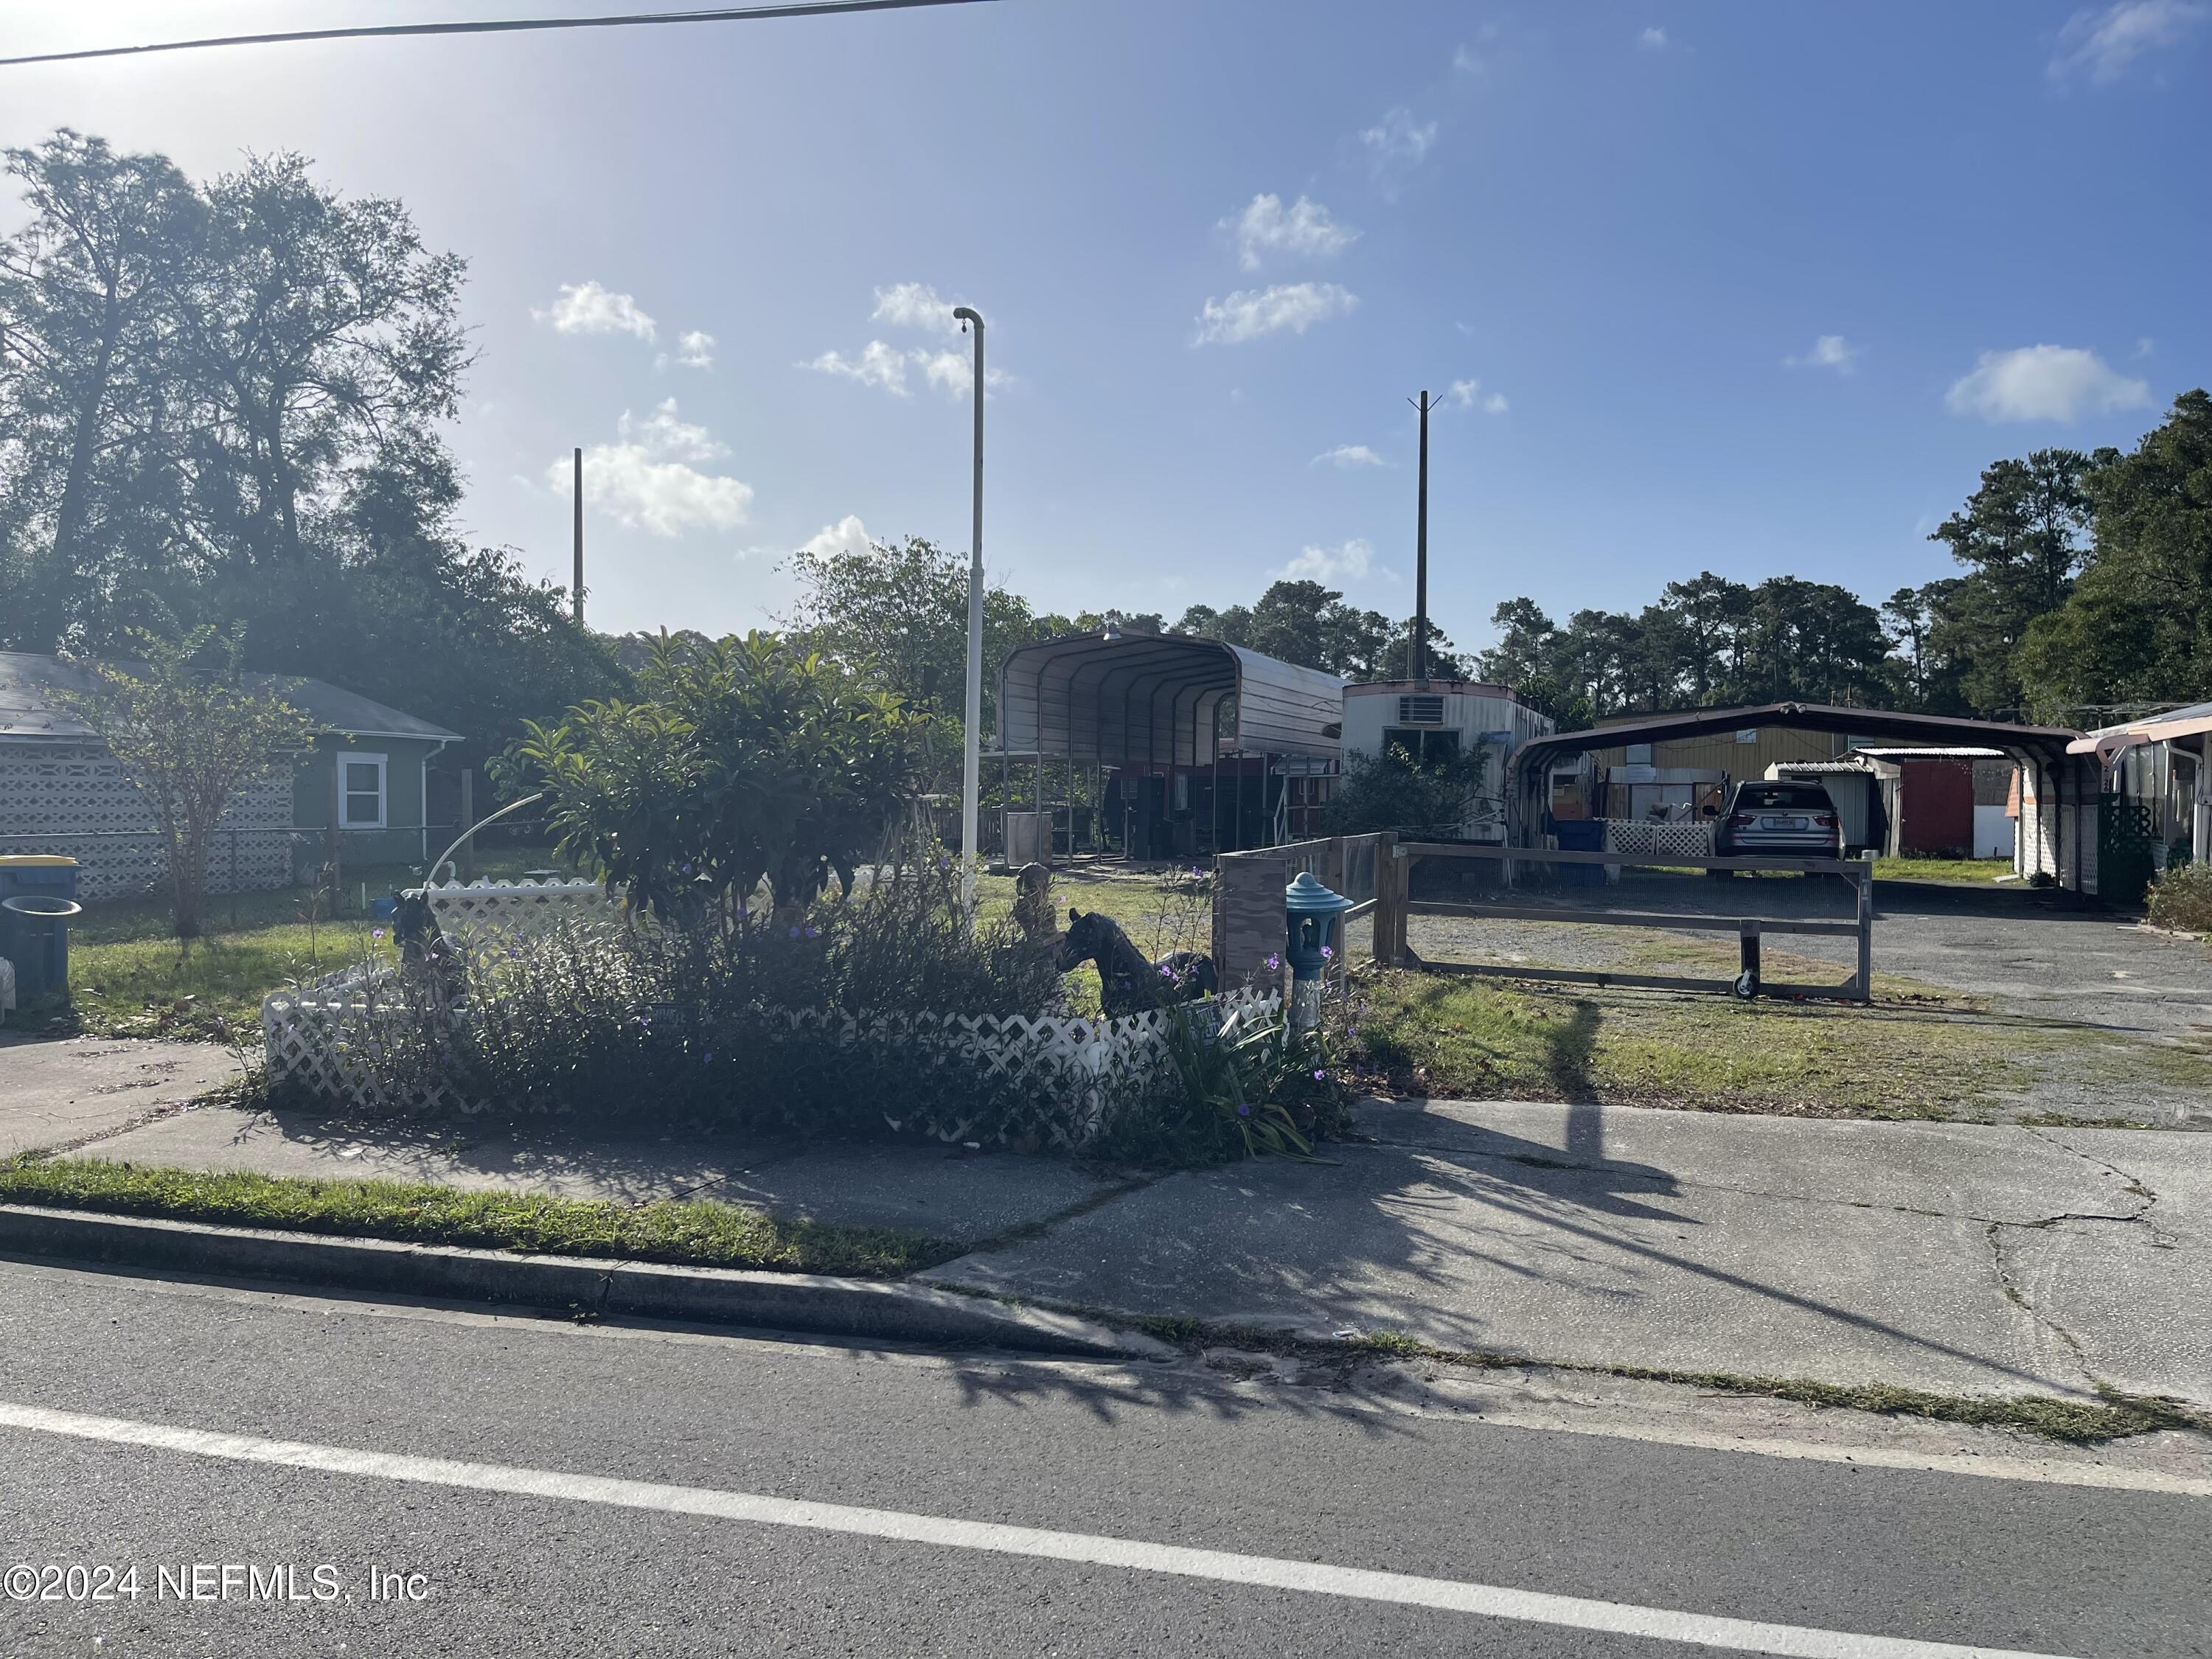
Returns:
(495, 25)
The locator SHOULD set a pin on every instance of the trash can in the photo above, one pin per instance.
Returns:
(38, 899)
(1581, 836)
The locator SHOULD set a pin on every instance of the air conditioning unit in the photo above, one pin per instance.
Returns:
(1421, 711)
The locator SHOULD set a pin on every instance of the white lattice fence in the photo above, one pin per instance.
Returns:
(1069, 1072)
(480, 911)
(1689, 841)
(80, 802)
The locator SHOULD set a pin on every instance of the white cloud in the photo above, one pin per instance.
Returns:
(695, 349)
(1250, 313)
(2043, 383)
(1829, 352)
(2102, 44)
(1480, 55)
(886, 367)
(1652, 40)
(1348, 562)
(914, 305)
(1398, 138)
(1467, 394)
(588, 308)
(1305, 228)
(847, 537)
(1347, 456)
(878, 365)
(2143, 346)
(643, 479)
(665, 434)
(954, 373)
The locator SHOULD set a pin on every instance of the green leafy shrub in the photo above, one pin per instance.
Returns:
(1243, 1086)
(2182, 897)
(1391, 790)
(690, 1024)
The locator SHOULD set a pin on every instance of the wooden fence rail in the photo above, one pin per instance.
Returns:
(1393, 904)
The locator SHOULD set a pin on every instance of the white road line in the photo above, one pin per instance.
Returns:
(1317, 1578)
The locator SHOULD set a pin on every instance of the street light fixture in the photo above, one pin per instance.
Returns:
(971, 754)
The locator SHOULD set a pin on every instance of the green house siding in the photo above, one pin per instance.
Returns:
(399, 839)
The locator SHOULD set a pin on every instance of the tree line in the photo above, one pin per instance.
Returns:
(2085, 584)
(219, 405)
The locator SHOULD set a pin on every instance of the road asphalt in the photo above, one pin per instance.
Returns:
(632, 1490)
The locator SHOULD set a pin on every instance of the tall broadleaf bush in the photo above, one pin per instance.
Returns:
(740, 761)
(688, 1022)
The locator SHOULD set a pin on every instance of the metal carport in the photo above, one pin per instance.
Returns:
(1155, 705)
(2059, 797)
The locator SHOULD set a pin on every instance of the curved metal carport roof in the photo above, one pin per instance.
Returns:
(1156, 698)
(2043, 743)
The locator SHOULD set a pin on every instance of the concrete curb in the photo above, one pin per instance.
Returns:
(811, 1303)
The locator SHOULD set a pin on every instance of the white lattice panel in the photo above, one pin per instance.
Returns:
(77, 800)
(322, 1036)
(1688, 840)
(479, 911)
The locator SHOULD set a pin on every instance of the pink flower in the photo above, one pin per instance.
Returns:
(1327, 952)
(376, 932)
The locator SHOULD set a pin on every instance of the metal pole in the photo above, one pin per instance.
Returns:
(1417, 661)
(578, 492)
(971, 761)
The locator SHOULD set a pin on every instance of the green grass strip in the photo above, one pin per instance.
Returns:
(698, 1233)
(2116, 1415)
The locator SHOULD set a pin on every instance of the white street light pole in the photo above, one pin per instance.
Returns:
(971, 756)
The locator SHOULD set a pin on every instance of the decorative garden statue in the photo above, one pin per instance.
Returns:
(1128, 984)
(1033, 903)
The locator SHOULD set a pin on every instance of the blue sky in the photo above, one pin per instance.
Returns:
(1753, 288)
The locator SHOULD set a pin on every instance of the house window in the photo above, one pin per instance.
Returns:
(1639, 754)
(360, 791)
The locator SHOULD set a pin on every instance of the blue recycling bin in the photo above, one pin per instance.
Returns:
(1581, 836)
(38, 901)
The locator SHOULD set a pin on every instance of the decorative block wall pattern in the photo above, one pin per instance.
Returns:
(81, 802)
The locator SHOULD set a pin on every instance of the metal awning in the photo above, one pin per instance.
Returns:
(2193, 721)
(2036, 742)
(1173, 699)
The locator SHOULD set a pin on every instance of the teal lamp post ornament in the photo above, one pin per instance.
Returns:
(1311, 912)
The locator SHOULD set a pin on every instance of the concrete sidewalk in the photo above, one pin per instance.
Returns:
(1954, 1258)
(54, 1092)
(1951, 1258)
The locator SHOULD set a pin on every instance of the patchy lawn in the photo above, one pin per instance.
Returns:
(1458, 1038)
(698, 1233)
(1968, 870)
(129, 975)
(1161, 913)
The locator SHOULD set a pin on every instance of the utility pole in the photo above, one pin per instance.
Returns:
(1417, 659)
(578, 591)
(971, 758)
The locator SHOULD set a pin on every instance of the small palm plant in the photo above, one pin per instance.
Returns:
(1234, 1076)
